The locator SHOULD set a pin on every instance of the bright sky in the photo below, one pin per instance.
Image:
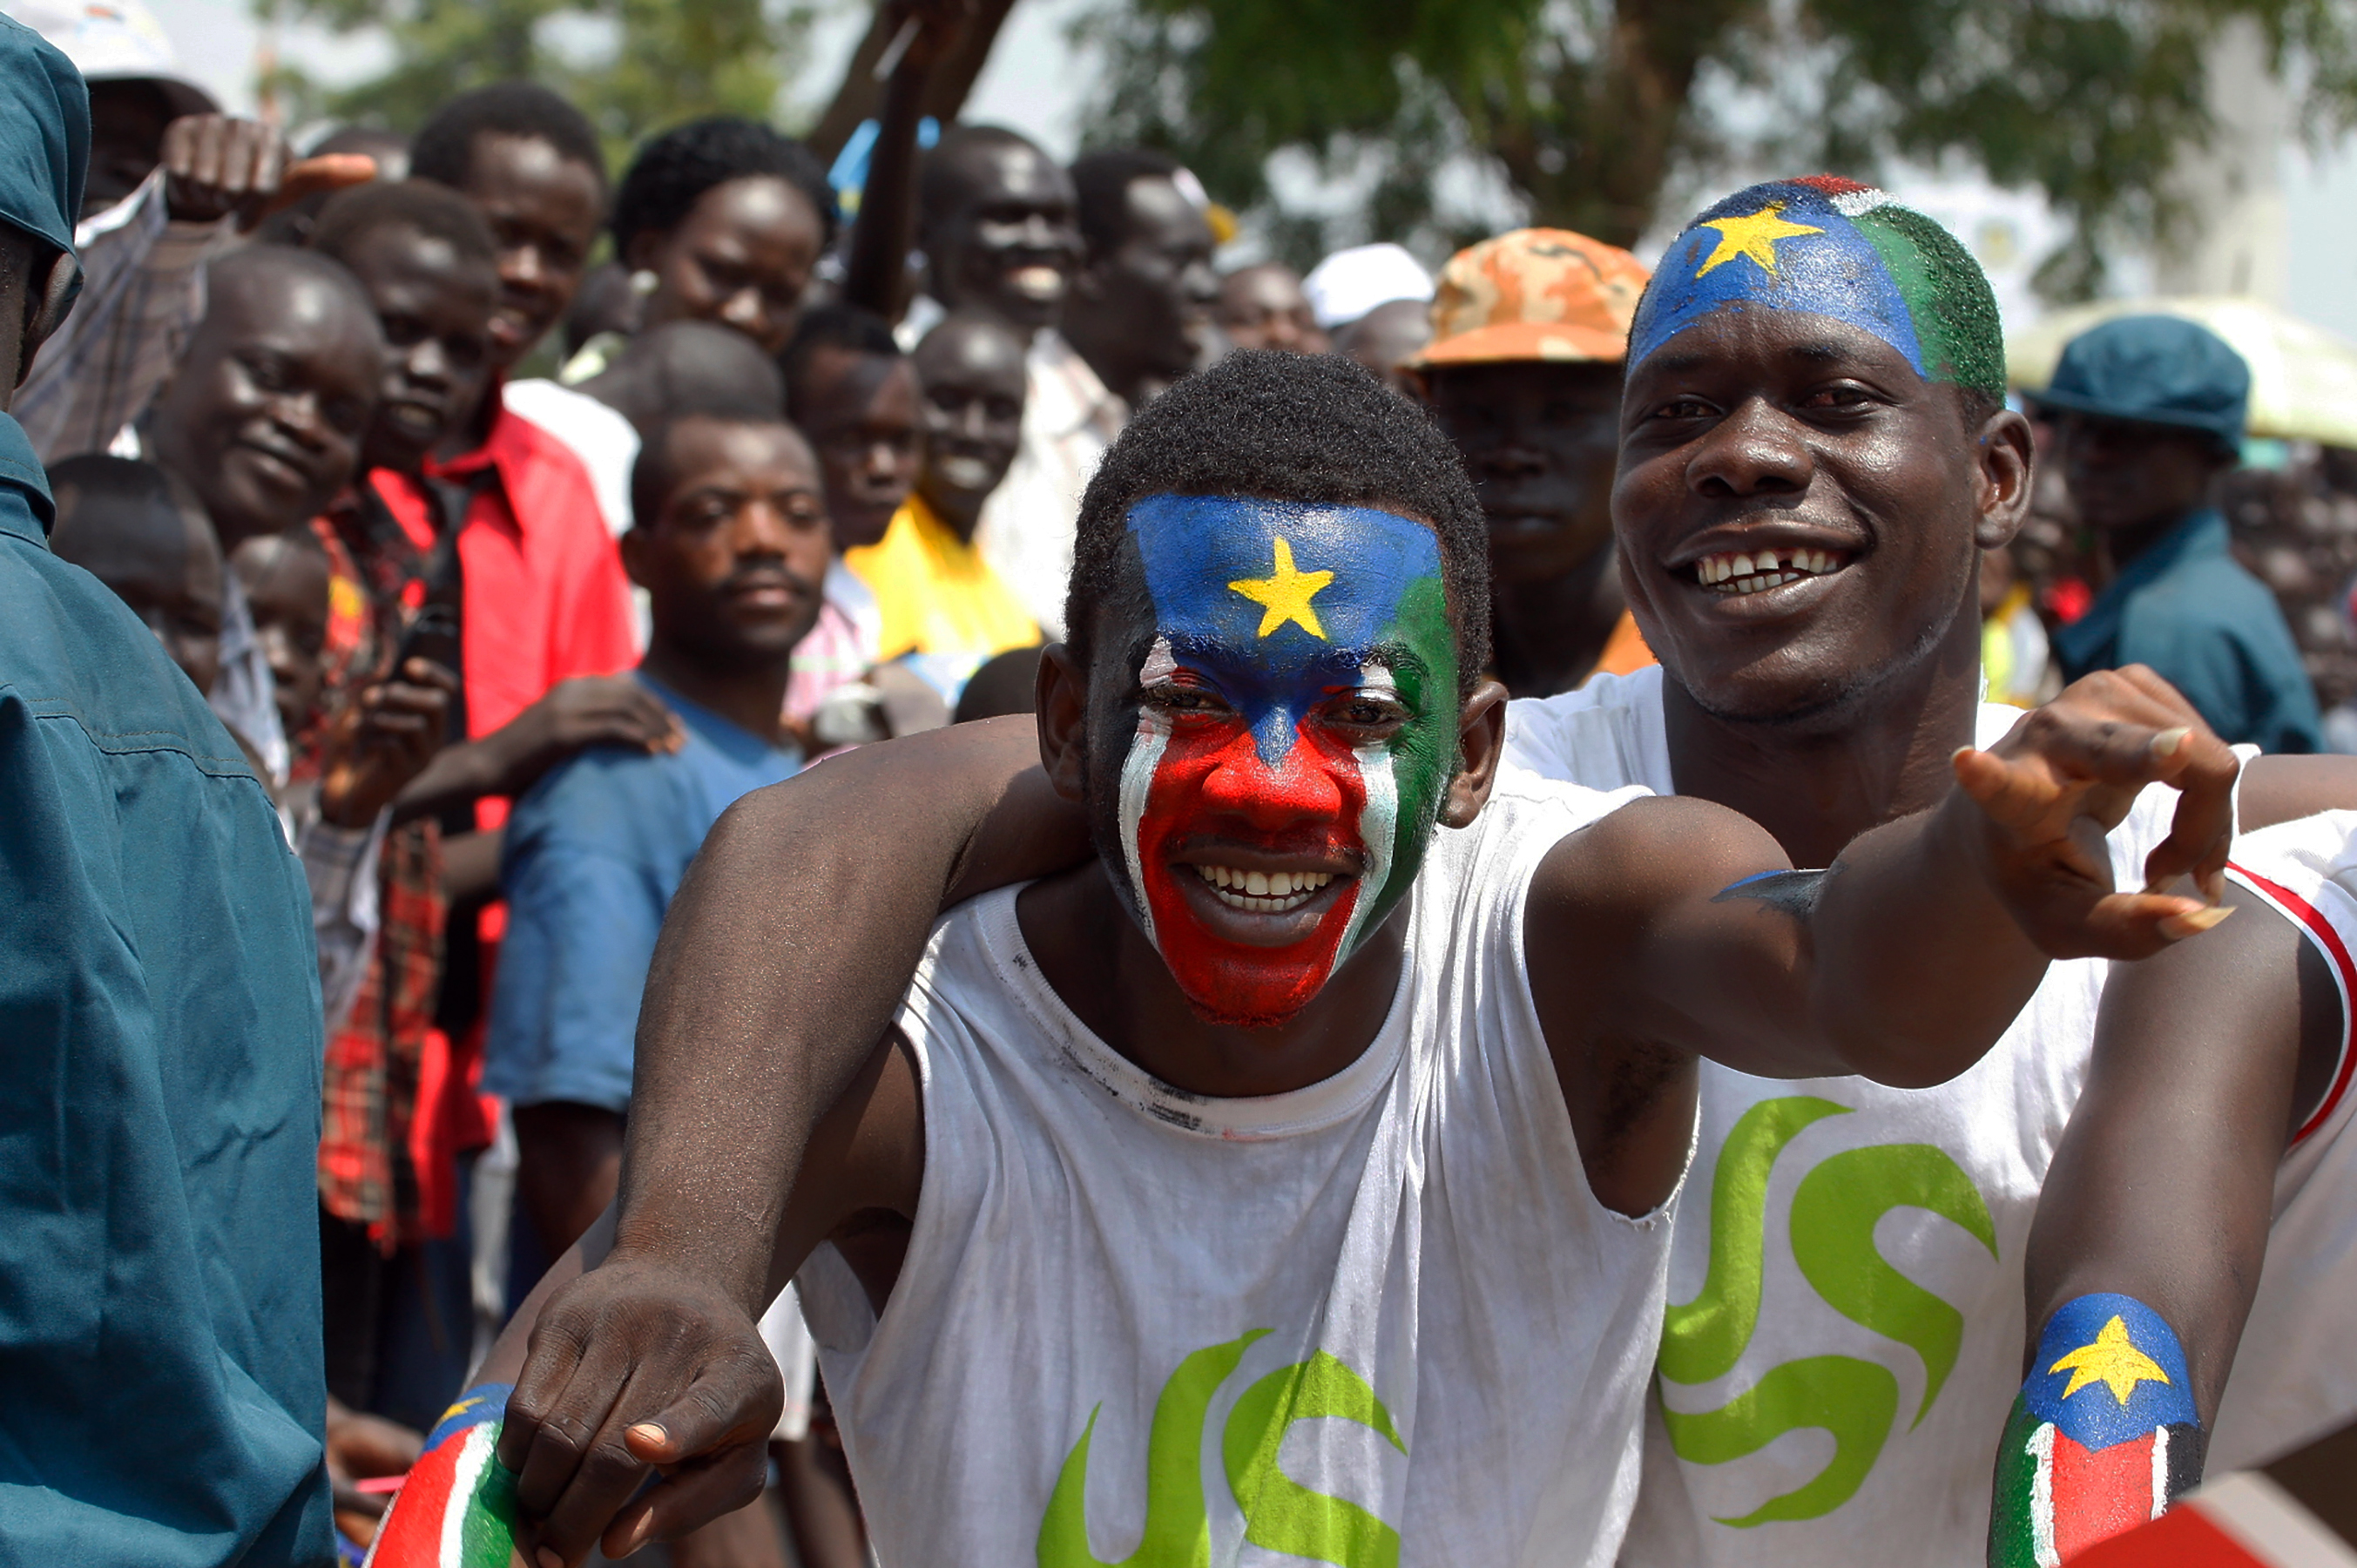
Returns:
(1033, 85)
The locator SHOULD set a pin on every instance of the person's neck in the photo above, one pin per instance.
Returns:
(2125, 544)
(1092, 952)
(748, 693)
(1125, 375)
(1550, 632)
(1818, 781)
(960, 512)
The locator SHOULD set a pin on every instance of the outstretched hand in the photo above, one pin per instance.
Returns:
(216, 166)
(2065, 776)
(635, 1368)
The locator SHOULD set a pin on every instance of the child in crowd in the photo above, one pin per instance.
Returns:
(944, 609)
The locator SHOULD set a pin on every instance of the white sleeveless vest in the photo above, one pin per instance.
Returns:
(1377, 1320)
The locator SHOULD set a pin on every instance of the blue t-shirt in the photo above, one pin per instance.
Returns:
(594, 853)
(2187, 608)
(161, 1385)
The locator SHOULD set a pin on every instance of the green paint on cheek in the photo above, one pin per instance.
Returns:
(1423, 754)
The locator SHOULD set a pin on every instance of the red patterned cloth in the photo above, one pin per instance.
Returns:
(546, 599)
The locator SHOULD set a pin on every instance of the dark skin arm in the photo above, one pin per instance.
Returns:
(1907, 962)
(2286, 789)
(2206, 1059)
(875, 276)
(719, 1392)
(589, 710)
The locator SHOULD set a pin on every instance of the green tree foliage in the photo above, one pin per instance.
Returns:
(634, 66)
(1593, 112)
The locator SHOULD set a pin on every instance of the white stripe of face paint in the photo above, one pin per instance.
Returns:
(465, 1476)
(1378, 819)
(1138, 775)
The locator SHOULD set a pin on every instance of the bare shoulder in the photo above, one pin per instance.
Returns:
(2285, 788)
(1648, 852)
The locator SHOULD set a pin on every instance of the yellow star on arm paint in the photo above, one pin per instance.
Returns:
(1285, 595)
(1752, 234)
(2113, 1360)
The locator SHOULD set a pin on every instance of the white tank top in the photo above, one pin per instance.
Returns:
(1381, 1320)
(1846, 1272)
(2295, 1378)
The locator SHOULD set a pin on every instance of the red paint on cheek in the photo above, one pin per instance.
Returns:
(1211, 783)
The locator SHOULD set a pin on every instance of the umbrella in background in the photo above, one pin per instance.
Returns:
(2303, 378)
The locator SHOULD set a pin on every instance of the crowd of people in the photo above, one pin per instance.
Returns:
(1461, 929)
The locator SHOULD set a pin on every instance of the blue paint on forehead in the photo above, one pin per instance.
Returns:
(1715, 265)
(1195, 547)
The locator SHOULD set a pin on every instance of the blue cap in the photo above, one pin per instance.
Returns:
(2154, 370)
(44, 136)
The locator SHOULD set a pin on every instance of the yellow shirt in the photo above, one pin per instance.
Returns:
(939, 600)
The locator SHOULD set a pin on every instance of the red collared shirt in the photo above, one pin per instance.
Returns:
(546, 599)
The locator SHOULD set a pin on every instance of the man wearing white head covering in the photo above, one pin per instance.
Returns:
(1373, 301)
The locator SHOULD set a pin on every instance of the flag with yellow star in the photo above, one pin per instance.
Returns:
(1830, 247)
(2106, 1433)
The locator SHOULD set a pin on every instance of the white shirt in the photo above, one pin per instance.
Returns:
(1876, 1233)
(1027, 525)
(2294, 1377)
(1380, 1319)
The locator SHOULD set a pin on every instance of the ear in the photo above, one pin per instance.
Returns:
(1061, 702)
(2005, 459)
(1480, 742)
(633, 544)
(46, 305)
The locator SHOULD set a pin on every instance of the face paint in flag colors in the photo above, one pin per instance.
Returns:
(1831, 247)
(2102, 1438)
(1296, 727)
(457, 1509)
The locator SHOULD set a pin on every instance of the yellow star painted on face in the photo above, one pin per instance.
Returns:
(1755, 235)
(2113, 1360)
(1285, 595)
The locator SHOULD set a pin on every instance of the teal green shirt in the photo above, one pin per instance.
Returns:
(2186, 607)
(161, 1396)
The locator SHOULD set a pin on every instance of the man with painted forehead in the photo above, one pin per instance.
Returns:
(1815, 450)
(1291, 1176)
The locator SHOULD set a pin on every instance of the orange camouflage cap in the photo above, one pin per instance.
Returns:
(1534, 293)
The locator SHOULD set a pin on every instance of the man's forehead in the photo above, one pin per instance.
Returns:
(1009, 172)
(1288, 581)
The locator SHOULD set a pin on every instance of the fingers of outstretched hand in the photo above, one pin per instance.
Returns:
(2138, 925)
(2202, 831)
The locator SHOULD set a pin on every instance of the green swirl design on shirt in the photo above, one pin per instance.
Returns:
(1703, 1339)
(1835, 1210)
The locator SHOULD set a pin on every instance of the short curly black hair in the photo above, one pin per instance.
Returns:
(1289, 427)
(673, 170)
(844, 327)
(433, 211)
(444, 150)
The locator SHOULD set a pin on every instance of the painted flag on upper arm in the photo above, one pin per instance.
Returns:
(2104, 1434)
(458, 1507)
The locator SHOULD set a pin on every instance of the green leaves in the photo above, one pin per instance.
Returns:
(642, 64)
(1590, 109)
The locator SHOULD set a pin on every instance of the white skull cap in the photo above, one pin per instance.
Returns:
(1349, 283)
(116, 40)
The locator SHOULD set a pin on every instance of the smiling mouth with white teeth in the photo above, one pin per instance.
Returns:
(1264, 892)
(1757, 571)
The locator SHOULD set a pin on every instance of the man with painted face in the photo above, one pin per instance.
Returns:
(1304, 1081)
(1524, 375)
(996, 223)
